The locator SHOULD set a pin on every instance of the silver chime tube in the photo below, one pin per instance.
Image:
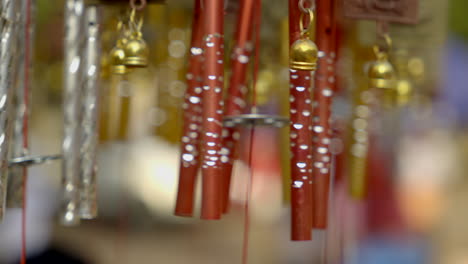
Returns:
(89, 122)
(22, 92)
(71, 106)
(7, 51)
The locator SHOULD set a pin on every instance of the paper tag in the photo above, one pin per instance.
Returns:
(395, 11)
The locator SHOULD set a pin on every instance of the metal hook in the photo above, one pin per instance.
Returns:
(382, 53)
(305, 31)
(135, 26)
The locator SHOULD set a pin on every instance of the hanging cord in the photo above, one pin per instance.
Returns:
(139, 7)
(27, 61)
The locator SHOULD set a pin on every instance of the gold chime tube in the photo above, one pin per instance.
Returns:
(19, 146)
(71, 138)
(8, 10)
(359, 145)
(89, 121)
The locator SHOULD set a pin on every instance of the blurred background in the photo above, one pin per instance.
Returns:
(415, 215)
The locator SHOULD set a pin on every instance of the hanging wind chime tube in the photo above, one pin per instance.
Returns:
(323, 92)
(89, 121)
(212, 109)
(381, 81)
(9, 13)
(190, 150)
(22, 94)
(303, 58)
(237, 91)
(71, 141)
(359, 145)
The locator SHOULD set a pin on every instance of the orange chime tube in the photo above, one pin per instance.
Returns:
(324, 88)
(189, 161)
(300, 140)
(237, 91)
(211, 141)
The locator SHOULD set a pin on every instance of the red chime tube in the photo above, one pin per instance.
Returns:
(189, 161)
(300, 140)
(323, 92)
(237, 92)
(212, 109)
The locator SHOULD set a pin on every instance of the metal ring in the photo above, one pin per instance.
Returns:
(305, 10)
(139, 7)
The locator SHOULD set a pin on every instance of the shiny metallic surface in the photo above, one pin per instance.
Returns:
(136, 51)
(31, 161)
(17, 149)
(256, 120)
(303, 55)
(7, 57)
(382, 75)
(71, 139)
(89, 122)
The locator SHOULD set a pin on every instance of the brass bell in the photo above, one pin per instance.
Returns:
(382, 75)
(117, 58)
(303, 55)
(136, 51)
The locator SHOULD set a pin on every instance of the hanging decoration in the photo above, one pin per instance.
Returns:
(237, 91)
(215, 120)
(190, 143)
(89, 121)
(324, 88)
(213, 83)
(303, 63)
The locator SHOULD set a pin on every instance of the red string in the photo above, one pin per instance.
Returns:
(27, 60)
(248, 194)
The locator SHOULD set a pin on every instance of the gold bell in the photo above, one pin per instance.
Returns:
(136, 51)
(303, 55)
(117, 59)
(382, 75)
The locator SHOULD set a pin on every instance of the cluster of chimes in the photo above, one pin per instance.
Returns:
(130, 50)
(209, 145)
(206, 144)
(81, 99)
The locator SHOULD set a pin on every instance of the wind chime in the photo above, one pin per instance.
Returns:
(382, 91)
(213, 120)
(81, 99)
(212, 144)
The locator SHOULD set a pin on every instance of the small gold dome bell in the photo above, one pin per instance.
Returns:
(117, 58)
(303, 55)
(382, 75)
(136, 51)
